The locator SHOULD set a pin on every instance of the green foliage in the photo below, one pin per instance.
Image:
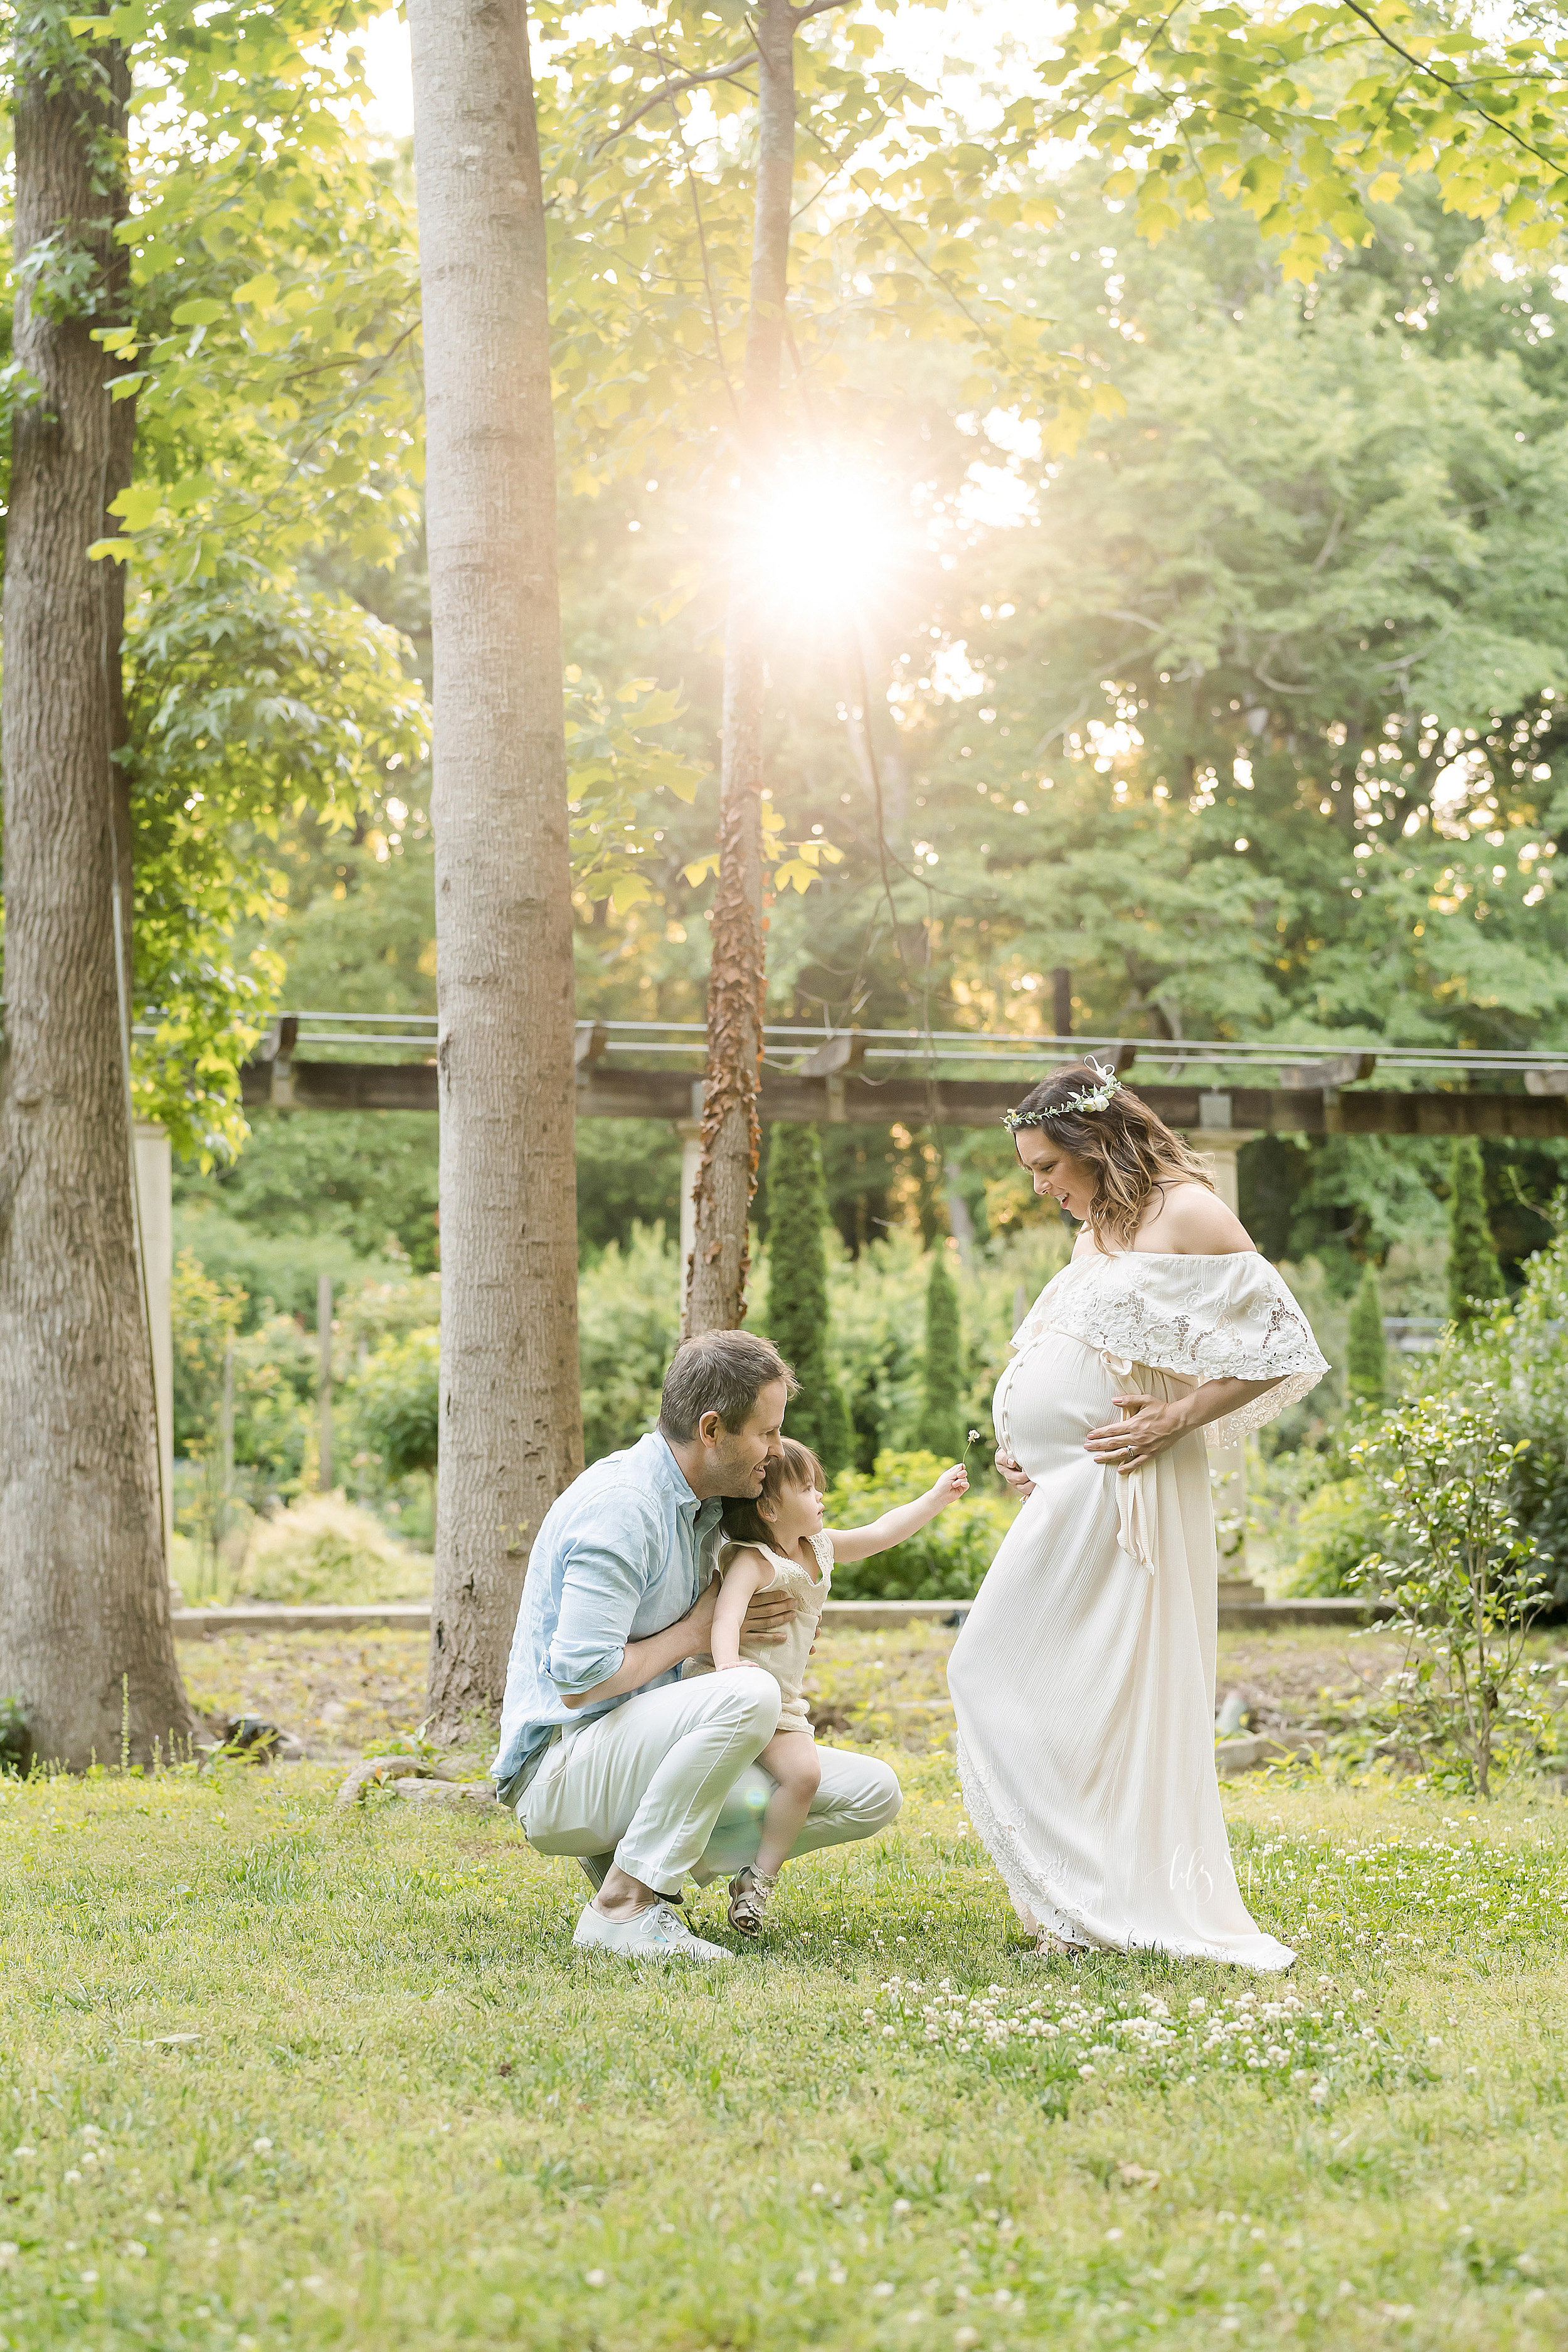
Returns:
(628, 1323)
(206, 1314)
(650, 204)
(265, 337)
(942, 1423)
(1337, 1527)
(273, 1269)
(1313, 119)
(798, 1320)
(1522, 1348)
(1366, 1359)
(628, 1173)
(14, 1741)
(613, 773)
(1475, 1276)
(241, 703)
(396, 1403)
(947, 1558)
(1460, 1572)
(325, 1549)
(276, 1369)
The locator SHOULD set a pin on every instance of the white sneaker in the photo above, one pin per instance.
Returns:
(658, 1933)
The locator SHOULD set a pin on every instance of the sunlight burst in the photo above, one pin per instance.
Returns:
(826, 541)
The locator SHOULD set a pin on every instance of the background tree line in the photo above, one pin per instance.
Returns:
(1209, 645)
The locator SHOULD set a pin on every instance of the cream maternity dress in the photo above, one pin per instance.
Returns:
(1083, 1680)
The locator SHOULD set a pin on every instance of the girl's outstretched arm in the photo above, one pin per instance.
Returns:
(895, 1527)
(745, 1572)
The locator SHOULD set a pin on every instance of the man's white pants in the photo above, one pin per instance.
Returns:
(670, 1784)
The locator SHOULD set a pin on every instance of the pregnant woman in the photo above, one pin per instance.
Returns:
(1083, 1680)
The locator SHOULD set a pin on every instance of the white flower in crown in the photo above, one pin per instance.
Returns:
(1087, 1099)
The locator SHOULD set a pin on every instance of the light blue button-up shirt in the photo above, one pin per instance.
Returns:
(622, 1553)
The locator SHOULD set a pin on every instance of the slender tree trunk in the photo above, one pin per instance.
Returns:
(85, 1644)
(716, 1276)
(510, 1413)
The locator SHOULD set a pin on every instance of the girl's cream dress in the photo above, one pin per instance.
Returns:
(785, 1660)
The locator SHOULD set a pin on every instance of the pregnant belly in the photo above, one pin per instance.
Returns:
(1050, 1397)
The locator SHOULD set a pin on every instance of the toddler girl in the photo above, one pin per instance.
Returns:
(779, 1544)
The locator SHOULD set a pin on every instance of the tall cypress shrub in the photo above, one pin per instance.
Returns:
(941, 1419)
(797, 1292)
(1366, 1355)
(1474, 1273)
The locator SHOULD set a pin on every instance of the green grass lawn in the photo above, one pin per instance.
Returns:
(273, 2075)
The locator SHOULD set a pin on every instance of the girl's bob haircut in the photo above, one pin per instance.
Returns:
(1132, 1153)
(797, 1466)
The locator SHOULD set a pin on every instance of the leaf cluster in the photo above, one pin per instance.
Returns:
(1312, 117)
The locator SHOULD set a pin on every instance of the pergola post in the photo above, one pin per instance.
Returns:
(155, 1216)
(690, 1133)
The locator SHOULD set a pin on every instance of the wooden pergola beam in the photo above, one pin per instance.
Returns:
(848, 1096)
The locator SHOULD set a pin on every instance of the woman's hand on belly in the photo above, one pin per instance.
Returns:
(1147, 1429)
(1017, 1478)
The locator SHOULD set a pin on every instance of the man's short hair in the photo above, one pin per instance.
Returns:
(722, 1372)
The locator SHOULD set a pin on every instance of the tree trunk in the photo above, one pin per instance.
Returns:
(85, 1644)
(716, 1276)
(510, 1413)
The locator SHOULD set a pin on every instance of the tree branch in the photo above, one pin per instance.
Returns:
(1454, 86)
(673, 89)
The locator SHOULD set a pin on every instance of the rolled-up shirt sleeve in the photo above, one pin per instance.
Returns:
(606, 1574)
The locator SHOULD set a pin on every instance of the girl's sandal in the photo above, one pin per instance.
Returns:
(1050, 1946)
(749, 1893)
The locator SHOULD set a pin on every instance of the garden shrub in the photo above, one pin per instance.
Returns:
(325, 1549)
(1523, 1347)
(1336, 1529)
(1367, 1351)
(944, 1561)
(1462, 1577)
(942, 1423)
(395, 1404)
(1474, 1275)
(797, 1320)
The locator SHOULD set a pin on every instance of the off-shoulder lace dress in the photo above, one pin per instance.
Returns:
(1083, 1680)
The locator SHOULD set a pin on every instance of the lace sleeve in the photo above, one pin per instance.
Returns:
(1206, 1319)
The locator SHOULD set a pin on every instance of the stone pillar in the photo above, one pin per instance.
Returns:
(1219, 1145)
(155, 1213)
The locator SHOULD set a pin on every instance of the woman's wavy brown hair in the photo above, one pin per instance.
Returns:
(1133, 1154)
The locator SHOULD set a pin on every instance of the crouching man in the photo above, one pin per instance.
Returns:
(606, 1753)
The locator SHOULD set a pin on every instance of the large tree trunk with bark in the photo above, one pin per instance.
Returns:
(511, 1414)
(716, 1276)
(85, 1644)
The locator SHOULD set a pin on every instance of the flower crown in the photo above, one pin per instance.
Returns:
(1087, 1099)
